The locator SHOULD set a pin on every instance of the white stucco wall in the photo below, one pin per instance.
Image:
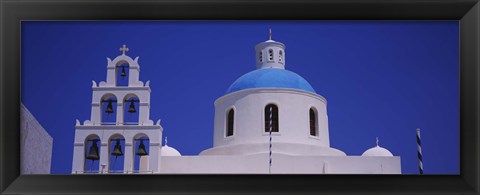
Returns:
(277, 147)
(281, 164)
(35, 145)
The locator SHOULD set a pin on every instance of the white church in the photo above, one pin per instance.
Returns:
(270, 120)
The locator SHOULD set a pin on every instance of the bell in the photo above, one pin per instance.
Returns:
(93, 153)
(132, 108)
(109, 109)
(141, 151)
(123, 74)
(117, 150)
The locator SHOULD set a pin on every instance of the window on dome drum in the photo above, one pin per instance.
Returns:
(271, 115)
(230, 122)
(260, 56)
(270, 54)
(313, 122)
(280, 56)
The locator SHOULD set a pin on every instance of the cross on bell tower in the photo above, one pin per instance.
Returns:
(124, 49)
(120, 126)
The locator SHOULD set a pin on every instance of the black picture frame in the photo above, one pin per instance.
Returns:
(14, 11)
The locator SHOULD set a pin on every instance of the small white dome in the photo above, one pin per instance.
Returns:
(169, 151)
(377, 151)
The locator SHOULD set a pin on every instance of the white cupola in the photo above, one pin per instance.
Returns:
(270, 54)
(377, 151)
(169, 151)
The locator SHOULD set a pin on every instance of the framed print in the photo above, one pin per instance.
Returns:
(93, 79)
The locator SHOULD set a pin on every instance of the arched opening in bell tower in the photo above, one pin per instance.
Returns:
(116, 150)
(131, 109)
(142, 153)
(122, 73)
(108, 109)
(92, 154)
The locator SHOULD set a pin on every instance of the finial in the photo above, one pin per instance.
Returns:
(270, 35)
(377, 141)
(166, 140)
(124, 49)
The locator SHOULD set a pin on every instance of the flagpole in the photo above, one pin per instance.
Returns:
(270, 148)
(419, 152)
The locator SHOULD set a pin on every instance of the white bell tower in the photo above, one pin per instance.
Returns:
(119, 128)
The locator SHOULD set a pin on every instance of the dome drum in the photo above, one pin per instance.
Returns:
(249, 119)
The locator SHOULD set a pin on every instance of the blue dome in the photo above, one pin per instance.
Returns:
(270, 78)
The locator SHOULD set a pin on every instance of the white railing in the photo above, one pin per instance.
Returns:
(117, 123)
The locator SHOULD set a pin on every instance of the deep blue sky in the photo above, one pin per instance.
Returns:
(381, 79)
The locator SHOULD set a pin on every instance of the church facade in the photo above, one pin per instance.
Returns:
(270, 120)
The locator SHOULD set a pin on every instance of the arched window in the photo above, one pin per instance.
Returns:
(230, 122)
(280, 56)
(270, 54)
(271, 118)
(313, 123)
(260, 56)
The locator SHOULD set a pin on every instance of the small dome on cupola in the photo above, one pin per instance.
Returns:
(169, 151)
(377, 151)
